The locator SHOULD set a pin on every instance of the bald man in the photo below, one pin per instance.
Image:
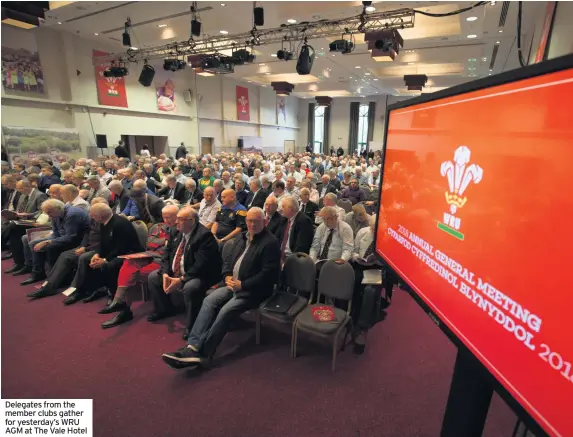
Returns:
(230, 219)
(191, 265)
(118, 237)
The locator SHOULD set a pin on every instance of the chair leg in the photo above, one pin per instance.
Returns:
(143, 291)
(349, 327)
(293, 340)
(258, 321)
(334, 351)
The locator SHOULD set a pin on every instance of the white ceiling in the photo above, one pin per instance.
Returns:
(437, 47)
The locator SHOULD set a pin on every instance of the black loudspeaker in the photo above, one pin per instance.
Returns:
(195, 28)
(240, 143)
(101, 141)
(259, 14)
(147, 75)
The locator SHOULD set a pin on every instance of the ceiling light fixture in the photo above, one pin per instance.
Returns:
(411, 63)
(267, 73)
(358, 66)
(162, 25)
(224, 32)
(471, 18)
(472, 36)
(492, 3)
(262, 65)
(500, 31)
(366, 74)
(134, 48)
(498, 42)
(222, 4)
(59, 22)
(96, 34)
(370, 9)
(374, 79)
(274, 55)
(490, 70)
(291, 21)
(472, 59)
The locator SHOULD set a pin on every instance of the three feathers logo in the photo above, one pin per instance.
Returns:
(459, 174)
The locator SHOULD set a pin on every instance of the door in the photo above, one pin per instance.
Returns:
(206, 145)
(289, 146)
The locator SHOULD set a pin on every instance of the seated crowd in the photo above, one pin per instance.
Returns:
(98, 227)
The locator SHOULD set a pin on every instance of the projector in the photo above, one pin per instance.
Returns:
(415, 82)
(341, 45)
(115, 72)
(242, 56)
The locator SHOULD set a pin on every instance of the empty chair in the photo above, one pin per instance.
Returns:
(345, 204)
(336, 281)
(141, 229)
(299, 276)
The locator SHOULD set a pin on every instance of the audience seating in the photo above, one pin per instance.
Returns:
(336, 282)
(298, 276)
(345, 204)
(141, 229)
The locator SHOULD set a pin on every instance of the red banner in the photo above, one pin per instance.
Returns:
(243, 112)
(110, 90)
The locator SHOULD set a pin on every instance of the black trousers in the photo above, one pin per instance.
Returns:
(14, 234)
(65, 267)
(87, 280)
(194, 292)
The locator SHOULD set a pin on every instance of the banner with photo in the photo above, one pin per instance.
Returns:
(21, 68)
(243, 111)
(24, 144)
(281, 110)
(110, 90)
(164, 82)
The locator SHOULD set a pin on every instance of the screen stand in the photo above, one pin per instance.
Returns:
(469, 399)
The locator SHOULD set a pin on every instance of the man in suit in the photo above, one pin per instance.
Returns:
(119, 197)
(48, 178)
(191, 264)
(174, 190)
(250, 274)
(117, 237)
(306, 206)
(257, 196)
(272, 217)
(68, 227)
(140, 174)
(31, 199)
(193, 195)
(240, 193)
(326, 186)
(121, 151)
(9, 193)
(143, 204)
(296, 232)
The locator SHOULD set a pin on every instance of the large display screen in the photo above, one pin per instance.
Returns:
(476, 214)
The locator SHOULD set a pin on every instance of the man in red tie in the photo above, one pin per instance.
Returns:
(295, 234)
(192, 263)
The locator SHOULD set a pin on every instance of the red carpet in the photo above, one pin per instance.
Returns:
(397, 388)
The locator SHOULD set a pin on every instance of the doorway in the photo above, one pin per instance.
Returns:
(289, 146)
(206, 145)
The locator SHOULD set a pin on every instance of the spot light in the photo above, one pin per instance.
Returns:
(472, 36)
(471, 18)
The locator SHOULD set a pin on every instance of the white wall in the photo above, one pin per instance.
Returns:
(217, 112)
(340, 119)
(70, 101)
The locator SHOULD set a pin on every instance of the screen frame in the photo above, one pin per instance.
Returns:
(539, 69)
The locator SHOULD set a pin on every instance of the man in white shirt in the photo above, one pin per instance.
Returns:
(374, 179)
(330, 200)
(227, 181)
(333, 238)
(179, 176)
(71, 195)
(103, 175)
(208, 208)
(291, 189)
(267, 172)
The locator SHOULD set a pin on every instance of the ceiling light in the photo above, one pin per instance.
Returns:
(333, 56)
(498, 42)
(472, 36)
(224, 32)
(267, 73)
(262, 65)
(471, 18)
(162, 25)
(500, 31)
(472, 59)
(274, 55)
(59, 22)
(484, 59)
(134, 48)
(250, 81)
(489, 74)
(358, 66)
(291, 21)
(366, 74)
(222, 4)
(411, 63)
(471, 68)
(96, 34)
(374, 79)
(490, 70)
(492, 3)
(370, 9)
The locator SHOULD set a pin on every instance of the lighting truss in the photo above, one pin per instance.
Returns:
(397, 19)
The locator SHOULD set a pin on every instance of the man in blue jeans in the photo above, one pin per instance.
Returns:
(249, 272)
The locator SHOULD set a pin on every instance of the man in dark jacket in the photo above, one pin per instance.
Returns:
(294, 234)
(257, 195)
(119, 197)
(251, 271)
(181, 152)
(272, 216)
(117, 237)
(173, 190)
(191, 264)
(121, 150)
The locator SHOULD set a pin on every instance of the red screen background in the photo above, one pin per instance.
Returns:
(517, 224)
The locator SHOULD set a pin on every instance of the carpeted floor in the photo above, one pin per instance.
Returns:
(397, 388)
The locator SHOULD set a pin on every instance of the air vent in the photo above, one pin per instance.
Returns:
(503, 15)
(493, 56)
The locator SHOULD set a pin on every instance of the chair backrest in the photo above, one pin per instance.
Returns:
(299, 272)
(141, 229)
(336, 280)
(345, 204)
